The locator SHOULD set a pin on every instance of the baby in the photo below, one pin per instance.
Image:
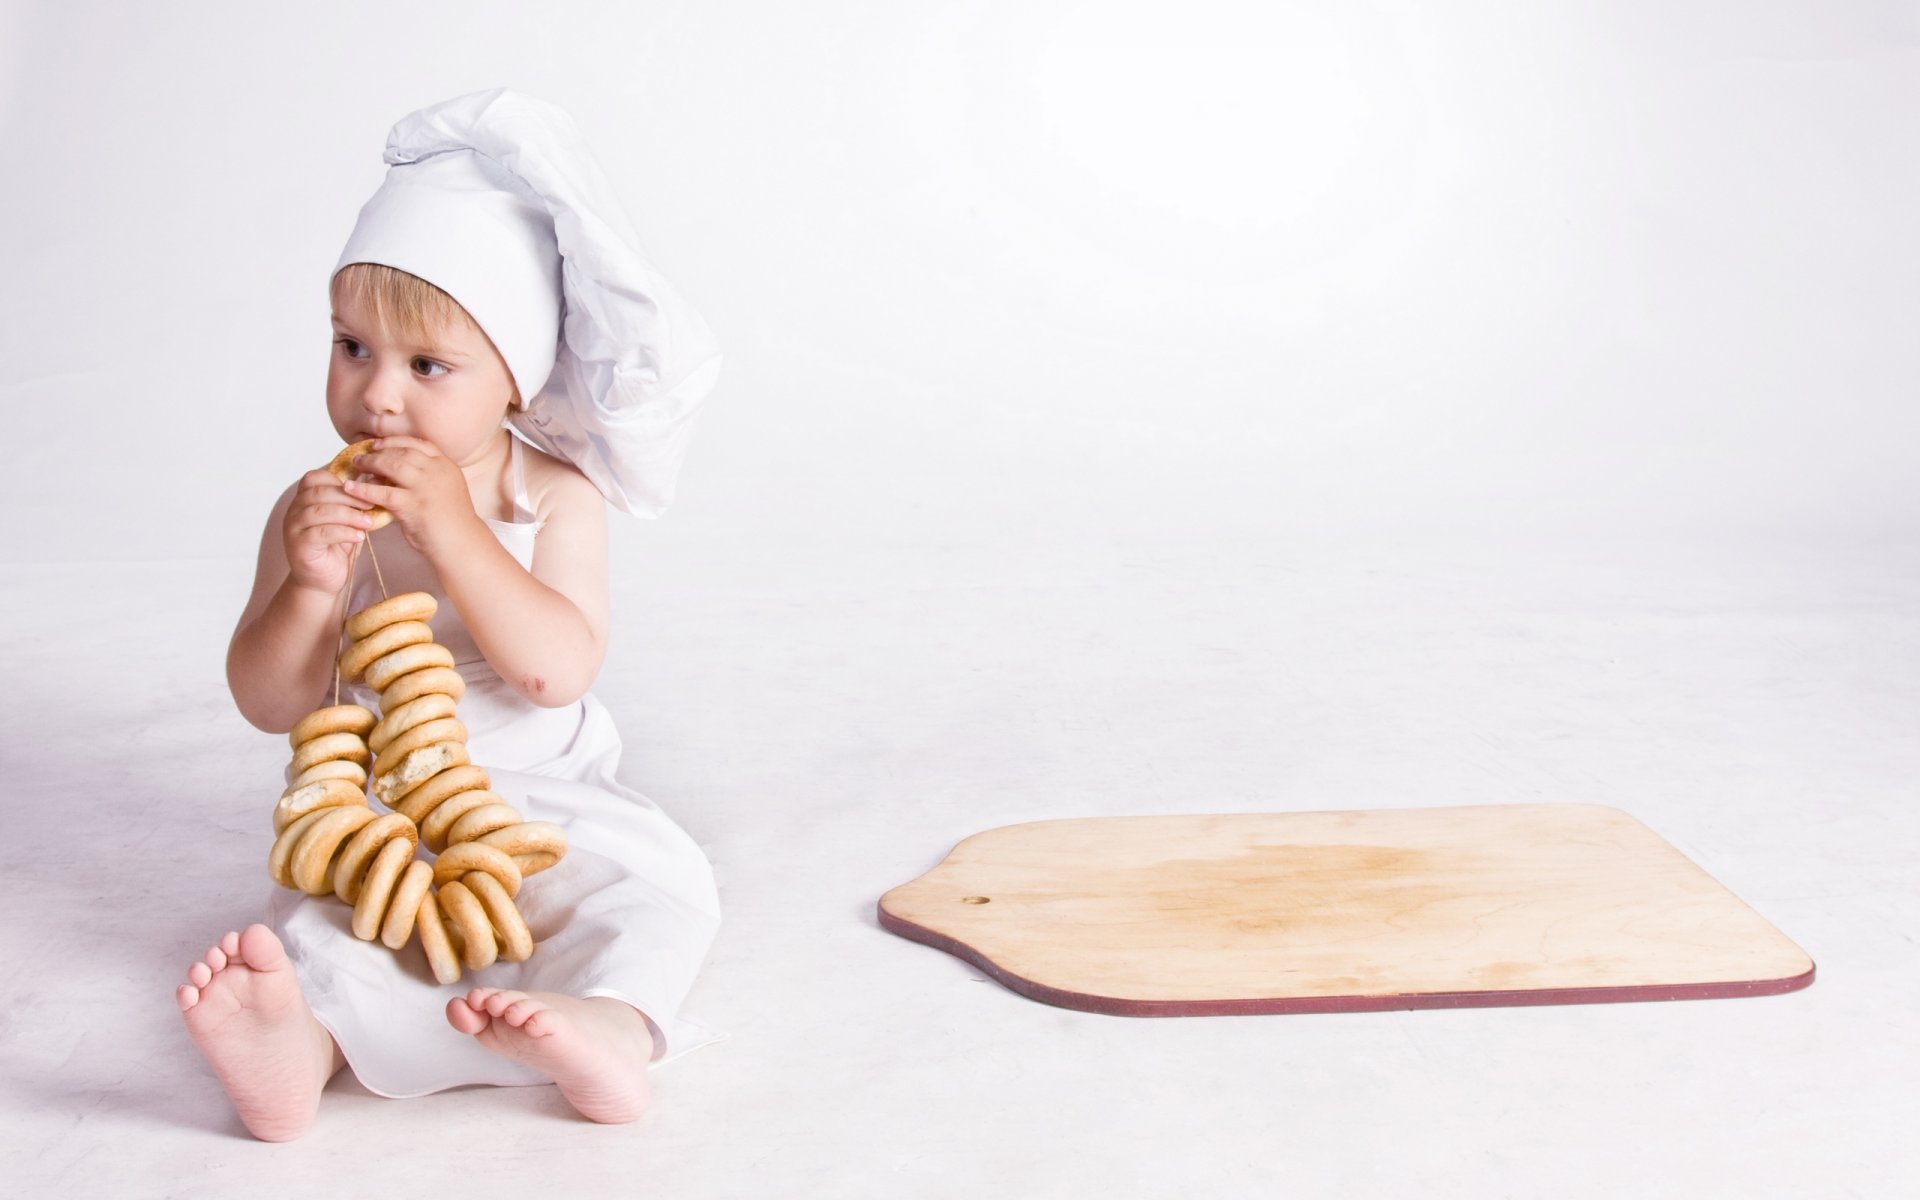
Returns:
(446, 321)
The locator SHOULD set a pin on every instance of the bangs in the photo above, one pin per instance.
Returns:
(403, 305)
(407, 307)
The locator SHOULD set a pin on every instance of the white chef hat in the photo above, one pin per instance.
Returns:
(494, 198)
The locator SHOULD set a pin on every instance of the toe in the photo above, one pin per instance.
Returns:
(217, 958)
(187, 995)
(259, 949)
(501, 1000)
(230, 944)
(520, 1010)
(462, 1016)
(199, 974)
(541, 1023)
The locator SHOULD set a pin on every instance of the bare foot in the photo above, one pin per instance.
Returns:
(596, 1050)
(243, 1007)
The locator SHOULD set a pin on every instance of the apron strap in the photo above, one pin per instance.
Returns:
(522, 510)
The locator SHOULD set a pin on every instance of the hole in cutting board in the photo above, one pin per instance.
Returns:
(975, 899)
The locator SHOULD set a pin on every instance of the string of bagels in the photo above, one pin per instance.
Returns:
(412, 755)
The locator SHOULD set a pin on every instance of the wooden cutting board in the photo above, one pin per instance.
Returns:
(1343, 911)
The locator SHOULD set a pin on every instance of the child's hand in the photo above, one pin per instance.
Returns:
(424, 490)
(321, 529)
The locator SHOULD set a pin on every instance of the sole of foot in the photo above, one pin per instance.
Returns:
(243, 1008)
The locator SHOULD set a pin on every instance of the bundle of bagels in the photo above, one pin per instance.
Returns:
(413, 757)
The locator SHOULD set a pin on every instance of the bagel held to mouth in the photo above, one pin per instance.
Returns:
(341, 468)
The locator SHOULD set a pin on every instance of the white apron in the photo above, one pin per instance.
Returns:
(629, 912)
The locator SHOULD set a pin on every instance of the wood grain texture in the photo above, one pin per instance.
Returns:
(1343, 911)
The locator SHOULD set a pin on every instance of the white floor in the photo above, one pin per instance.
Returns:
(828, 726)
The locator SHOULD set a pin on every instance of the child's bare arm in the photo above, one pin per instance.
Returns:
(281, 658)
(543, 631)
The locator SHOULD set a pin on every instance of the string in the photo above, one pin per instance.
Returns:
(346, 599)
(375, 557)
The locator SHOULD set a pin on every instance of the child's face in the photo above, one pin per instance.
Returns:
(451, 388)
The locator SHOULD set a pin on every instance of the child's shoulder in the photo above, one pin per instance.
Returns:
(555, 486)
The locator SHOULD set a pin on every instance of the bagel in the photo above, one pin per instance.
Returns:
(311, 865)
(334, 768)
(476, 857)
(534, 845)
(281, 856)
(416, 768)
(375, 892)
(404, 909)
(446, 729)
(353, 869)
(423, 799)
(442, 680)
(484, 819)
(329, 746)
(417, 711)
(516, 940)
(297, 802)
(404, 661)
(436, 826)
(469, 920)
(434, 939)
(341, 468)
(341, 718)
(407, 606)
(379, 643)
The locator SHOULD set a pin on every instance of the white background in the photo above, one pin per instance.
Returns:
(1104, 270)
(1128, 408)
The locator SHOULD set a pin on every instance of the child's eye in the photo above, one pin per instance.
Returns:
(430, 363)
(349, 345)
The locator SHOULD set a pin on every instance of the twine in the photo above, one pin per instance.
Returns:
(346, 599)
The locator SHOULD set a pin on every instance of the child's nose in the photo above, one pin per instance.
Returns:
(384, 393)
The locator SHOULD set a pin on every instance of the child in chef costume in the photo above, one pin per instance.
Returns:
(522, 366)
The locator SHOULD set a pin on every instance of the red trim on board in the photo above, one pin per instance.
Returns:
(1115, 1006)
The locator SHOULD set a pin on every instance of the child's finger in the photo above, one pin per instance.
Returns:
(318, 483)
(335, 517)
(322, 536)
(402, 442)
(378, 493)
(339, 514)
(317, 487)
(397, 465)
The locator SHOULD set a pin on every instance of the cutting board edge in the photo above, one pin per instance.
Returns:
(1122, 1007)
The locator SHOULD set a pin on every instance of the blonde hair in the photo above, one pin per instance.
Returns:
(406, 304)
